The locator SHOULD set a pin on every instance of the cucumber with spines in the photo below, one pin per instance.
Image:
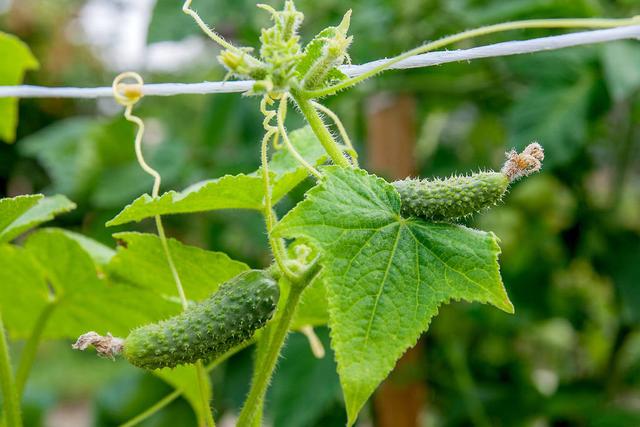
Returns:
(450, 198)
(209, 328)
(459, 196)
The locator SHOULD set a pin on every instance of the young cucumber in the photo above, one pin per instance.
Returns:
(450, 198)
(207, 329)
(459, 196)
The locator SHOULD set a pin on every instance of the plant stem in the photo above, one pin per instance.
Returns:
(343, 132)
(9, 394)
(326, 139)
(31, 347)
(269, 214)
(202, 383)
(153, 409)
(178, 392)
(469, 34)
(282, 114)
(263, 376)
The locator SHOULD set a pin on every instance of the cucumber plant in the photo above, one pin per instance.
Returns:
(372, 259)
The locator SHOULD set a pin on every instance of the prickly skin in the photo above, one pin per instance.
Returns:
(450, 198)
(209, 328)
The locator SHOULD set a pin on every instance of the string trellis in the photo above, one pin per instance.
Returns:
(417, 61)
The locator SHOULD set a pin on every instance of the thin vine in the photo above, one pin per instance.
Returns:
(128, 99)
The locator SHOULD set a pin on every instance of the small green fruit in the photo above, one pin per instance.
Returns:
(451, 198)
(459, 196)
(207, 329)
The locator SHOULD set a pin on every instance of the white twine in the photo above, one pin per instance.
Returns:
(423, 60)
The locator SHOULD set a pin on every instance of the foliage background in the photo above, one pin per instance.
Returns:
(570, 236)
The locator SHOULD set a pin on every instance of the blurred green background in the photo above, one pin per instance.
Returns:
(570, 236)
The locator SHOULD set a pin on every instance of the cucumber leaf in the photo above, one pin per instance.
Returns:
(22, 213)
(312, 309)
(141, 261)
(386, 275)
(53, 271)
(232, 191)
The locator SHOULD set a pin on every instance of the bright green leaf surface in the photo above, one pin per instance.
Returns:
(12, 208)
(85, 300)
(100, 253)
(386, 275)
(22, 213)
(53, 268)
(231, 191)
(312, 308)
(141, 261)
(228, 192)
(23, 289)
(16, 59)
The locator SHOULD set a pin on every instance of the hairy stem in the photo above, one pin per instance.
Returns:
(469, 34)
(326, 139)
(263, 376)
(271, 132)
(202, 384)
(186, 8)
(7, 384)
(343, 132)
(282, 114)
(31, 347)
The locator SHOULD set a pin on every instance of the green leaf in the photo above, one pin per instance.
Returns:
(100, 253)
(141, 261)
(12, 208)
(312, 53)
(185, 378)
(68, 153)
(555, 116)
(53, 269)
(24, 293)
(228, 192)
(621, 61)
(22, 213)
(386, 275)
(17, 59)
(231, 191)
(312, 309)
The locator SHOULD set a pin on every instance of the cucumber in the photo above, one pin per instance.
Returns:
(207, 329)
(459, 196)
(450, 198)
